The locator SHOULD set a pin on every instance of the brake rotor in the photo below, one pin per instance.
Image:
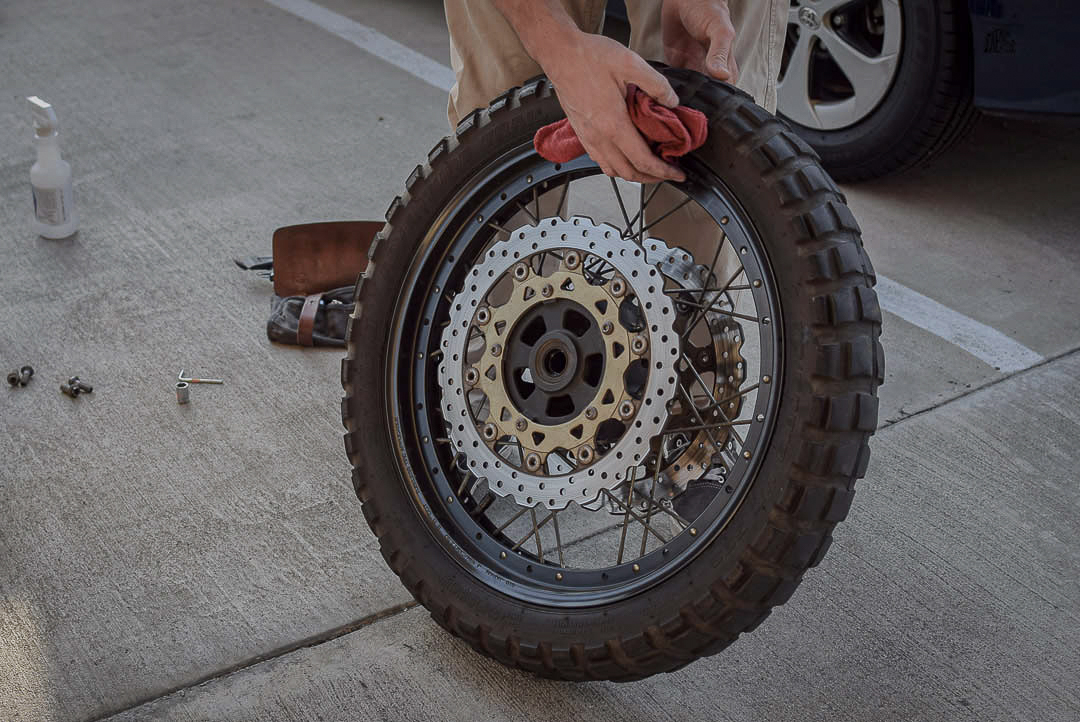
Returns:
(715, 368)
(558, 363)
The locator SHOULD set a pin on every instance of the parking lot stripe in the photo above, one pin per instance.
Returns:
(982, 341)
(978, 339)
(371, 41)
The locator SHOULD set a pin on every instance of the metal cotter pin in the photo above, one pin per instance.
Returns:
(187, 380)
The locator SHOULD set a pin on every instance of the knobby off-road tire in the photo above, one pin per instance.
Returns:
(832, 366)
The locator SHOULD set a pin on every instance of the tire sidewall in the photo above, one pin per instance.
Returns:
(904, 104)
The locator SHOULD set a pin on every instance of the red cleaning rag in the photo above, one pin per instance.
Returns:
(670, 132)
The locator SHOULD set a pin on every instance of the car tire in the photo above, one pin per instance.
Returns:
(926, 108)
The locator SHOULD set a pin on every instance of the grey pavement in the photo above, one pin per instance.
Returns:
(152, 555)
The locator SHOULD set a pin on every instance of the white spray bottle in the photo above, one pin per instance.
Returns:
(50, 177)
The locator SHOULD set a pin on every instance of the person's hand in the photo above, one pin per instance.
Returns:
(698, 35)
(591, 74)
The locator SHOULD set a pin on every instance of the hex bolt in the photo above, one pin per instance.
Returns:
(607, 327)
(639, 345)
(626, 409)
(521, 424)
(585, 454)
(490, 432)
(521, 271)
(472, 376)
(572, 260)
(496, 349)
(618, 287)
(20, 377)
(547, 290)
(483, 315)
(532, 462)
(590, 413)
(183, 392)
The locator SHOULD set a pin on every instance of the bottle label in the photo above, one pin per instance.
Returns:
(52, 205)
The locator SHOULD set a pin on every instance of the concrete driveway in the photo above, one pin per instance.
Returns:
(211, 562)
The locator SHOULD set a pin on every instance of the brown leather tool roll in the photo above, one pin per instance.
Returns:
(313, 257)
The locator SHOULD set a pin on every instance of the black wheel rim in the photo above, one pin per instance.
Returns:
(427, 467)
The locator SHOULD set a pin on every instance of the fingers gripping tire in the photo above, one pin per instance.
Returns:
(804, 483)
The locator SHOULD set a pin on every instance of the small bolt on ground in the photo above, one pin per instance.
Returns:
(20, 377)
(75, 386)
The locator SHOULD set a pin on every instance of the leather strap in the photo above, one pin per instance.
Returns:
(305, 329)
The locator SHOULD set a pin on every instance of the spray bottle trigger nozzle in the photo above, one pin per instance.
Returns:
(45, 120)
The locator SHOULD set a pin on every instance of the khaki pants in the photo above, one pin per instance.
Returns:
(488, 58)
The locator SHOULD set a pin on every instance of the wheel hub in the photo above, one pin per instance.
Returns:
(558, 363)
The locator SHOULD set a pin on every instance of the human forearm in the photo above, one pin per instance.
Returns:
(545, 29)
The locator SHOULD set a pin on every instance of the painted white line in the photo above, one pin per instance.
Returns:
(978, 339)
(371, 41)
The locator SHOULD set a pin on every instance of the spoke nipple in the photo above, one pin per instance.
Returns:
(521, 424)
(636, 568)
(760, 417)
(547, 290)
(496, 349)
(483, 315)
(449, 500)
(607, 327)
(766, 379)
(756, 283)
(558, 576)
(502, 555)
(590, 413)
(693, 531)
(626, 409)
(746, 454)
(725, 220)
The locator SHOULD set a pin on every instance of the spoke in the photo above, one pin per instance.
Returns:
(522, 206)
(483, 506)
(511, 520)
(536, 202)
(641, 209)
(714, 406)
(652, 501)
(744, 392)
(702, 310)
(704, 427)
(697, 414)
(499, 228)
(562, 198)
(536, 533)
(536, 528)
(626, 516)
(558, 538)
(702, 291)
(622, 207)
(677, 207)
(630, 513)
